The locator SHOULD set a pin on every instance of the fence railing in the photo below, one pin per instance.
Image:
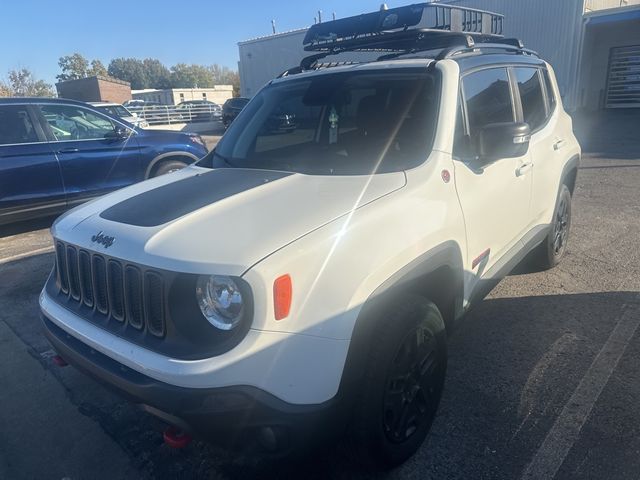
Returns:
(171, 114)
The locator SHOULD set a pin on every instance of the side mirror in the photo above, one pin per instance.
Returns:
(119, 133)
(503, 140)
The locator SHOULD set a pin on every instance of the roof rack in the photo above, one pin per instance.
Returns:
(409, 29)
(399, 28)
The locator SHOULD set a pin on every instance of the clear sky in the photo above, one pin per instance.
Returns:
(35, 33)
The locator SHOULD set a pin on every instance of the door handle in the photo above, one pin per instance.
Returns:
(558, 145)
(69, 150)
(524, 168)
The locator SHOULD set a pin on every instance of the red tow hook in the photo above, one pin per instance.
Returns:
(176, 438)
(59, 361)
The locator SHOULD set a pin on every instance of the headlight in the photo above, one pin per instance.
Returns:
(220, 301)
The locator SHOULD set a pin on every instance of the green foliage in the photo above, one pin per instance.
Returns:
(73, 67)
(130, 70)
(97, 68)
(150, 73)
(21, 83)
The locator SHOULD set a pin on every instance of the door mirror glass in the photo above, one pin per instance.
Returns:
(503, 140)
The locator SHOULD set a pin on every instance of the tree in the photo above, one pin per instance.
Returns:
(226, 76)
(158, 76)
(21, 83)
(97, 68)
(191, 76)
(73, 67)
(130, 70)
(5, 91)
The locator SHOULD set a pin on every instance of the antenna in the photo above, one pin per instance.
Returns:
(334, 15)
(319, 16)
(273, 26)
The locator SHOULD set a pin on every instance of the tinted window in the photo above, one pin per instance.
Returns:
(550, 93)
(74, 123)
(488, 98)
(115, 110)
(15, 125)
(342, 124)
(533, 107)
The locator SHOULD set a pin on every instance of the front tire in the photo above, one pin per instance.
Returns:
(169, 166)
(403, 384)
(553, 249)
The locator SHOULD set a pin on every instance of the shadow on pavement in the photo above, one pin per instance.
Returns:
(26, 226)
(514, 363)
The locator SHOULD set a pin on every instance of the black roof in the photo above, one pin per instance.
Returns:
(6, 100)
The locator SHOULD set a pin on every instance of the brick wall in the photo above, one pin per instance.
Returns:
(95, 89)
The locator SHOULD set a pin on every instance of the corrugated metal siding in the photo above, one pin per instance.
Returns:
(551, 27)
(262, 59)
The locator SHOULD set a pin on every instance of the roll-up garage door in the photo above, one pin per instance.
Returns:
(623, 83)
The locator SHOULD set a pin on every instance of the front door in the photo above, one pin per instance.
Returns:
(93, 159)
(30, 179)
(494, 197)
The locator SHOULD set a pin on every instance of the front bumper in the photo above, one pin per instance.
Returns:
(238, 417)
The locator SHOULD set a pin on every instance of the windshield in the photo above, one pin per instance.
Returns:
(344, 123)
(116, 110)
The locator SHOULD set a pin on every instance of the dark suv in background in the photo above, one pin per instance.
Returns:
(57, 153)
(232, 108)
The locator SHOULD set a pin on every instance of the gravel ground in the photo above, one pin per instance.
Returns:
(543, 376)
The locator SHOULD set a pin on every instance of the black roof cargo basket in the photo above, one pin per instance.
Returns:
(412, 27)
(405, 30)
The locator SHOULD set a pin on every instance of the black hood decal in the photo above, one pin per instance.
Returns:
(169, 202)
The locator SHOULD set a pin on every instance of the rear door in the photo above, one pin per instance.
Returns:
(546, 145)
(93, 159)
(495, 197)
(30, 178)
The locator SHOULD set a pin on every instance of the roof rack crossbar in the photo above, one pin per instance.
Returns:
(510, 45)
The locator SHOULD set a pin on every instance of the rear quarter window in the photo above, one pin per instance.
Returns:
(534, 110)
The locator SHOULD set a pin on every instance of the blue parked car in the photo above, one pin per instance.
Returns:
(56, 153)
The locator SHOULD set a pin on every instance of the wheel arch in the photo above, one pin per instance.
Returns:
(436, 275)
(177, 155)
(570, 173)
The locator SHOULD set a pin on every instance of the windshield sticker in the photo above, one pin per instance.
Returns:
(333, 126)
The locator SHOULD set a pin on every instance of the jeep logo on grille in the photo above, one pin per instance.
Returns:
(103, 239)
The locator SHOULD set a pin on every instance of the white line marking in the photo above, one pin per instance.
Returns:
(566, 429)
(26, 254)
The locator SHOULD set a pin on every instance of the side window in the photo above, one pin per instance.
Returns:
(531, 96)
(16, 126)
(76, 123)
(551, 96)
(488, 97)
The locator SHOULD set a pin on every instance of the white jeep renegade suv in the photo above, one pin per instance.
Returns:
(298, 283)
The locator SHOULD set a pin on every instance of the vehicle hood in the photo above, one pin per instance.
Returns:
(223, 221)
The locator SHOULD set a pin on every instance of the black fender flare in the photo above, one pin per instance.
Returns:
(570, 168)
(447, 254)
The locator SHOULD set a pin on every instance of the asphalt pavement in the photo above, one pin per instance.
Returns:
(543, 378)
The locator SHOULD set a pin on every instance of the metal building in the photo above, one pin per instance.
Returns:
(593, 45)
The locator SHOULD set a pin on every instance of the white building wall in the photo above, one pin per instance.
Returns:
(553, 28)
(263, 59)
(172, 96)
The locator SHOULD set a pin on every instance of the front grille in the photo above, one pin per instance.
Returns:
(113, 288)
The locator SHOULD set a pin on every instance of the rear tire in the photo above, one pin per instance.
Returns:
(552, 250)
(168, 166)
(403, 383)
